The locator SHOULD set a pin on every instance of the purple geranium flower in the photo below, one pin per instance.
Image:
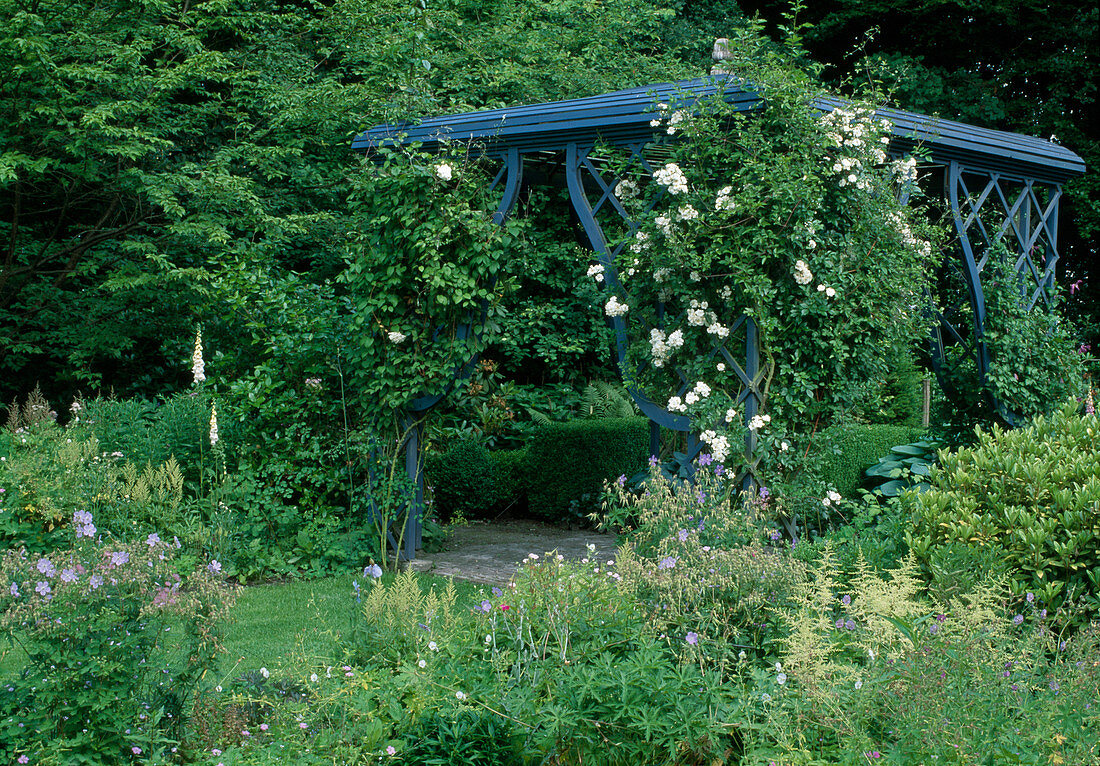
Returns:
(692, 638)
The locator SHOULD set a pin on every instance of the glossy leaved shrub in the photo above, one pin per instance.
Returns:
(1030, 495)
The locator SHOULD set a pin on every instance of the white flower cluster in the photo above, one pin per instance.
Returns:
(664, 223)
(626, 189)
(897, 220)
(718, 443)
(596, 271)
(697, 314)
(676, 120)
(699, 392)
(640, 243)
(662, 346)
(855, 130)
(850, 171)
(759, 421)
(686, 213)
(672, 178)
(802, 273)
(719, 329)
(444, 171)
(662, 274)
(829, 292)
(731, 415)
(396, 337)
(723, 201)
(615, 309)
(726, 293)
(905, 170)
(831, 498)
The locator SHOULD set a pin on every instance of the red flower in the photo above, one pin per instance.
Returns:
(504, 607)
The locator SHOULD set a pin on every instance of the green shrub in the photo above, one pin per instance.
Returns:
(462, 479)
(152, 432)
(901, 396)
(1032, 496)
(846, 450)
(468, 738)
(509, 477)
(569, 462)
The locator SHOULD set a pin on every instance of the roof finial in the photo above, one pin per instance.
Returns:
(720, 53)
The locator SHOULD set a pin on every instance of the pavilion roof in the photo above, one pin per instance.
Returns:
(624, 116)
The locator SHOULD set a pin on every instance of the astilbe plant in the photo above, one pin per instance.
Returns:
(874, 670)
(115, 641)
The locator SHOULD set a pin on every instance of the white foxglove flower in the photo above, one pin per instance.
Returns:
(213, 425)
(198, 366)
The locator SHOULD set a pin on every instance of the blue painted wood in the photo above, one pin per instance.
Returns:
(624, 116)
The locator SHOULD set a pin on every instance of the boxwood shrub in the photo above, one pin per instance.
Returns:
(569, 462)
(471, 482)
(846, 451)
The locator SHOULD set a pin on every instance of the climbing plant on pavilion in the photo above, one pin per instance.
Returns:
(792, 217)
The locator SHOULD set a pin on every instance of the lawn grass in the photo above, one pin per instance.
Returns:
(277, 625)
(282, 624)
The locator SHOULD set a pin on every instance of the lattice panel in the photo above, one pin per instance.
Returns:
(990, 210)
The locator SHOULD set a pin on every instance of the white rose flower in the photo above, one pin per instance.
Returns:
(444, 171)
(613, 308)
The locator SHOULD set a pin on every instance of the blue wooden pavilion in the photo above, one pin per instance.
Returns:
(999, 188)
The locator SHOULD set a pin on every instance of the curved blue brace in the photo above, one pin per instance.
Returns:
(1026, 224)
(575, 162)
(971, 269)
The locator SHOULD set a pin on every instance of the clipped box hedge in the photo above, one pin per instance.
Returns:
(846, 451)
(468, 480)
(568, 463)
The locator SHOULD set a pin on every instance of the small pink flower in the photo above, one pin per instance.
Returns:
(135, 750)
(391, 750)
(303, 725)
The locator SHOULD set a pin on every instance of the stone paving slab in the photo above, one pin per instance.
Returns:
(489, 552)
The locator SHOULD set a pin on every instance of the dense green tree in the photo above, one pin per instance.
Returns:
(147, 149)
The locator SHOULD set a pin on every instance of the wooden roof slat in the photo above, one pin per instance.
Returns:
(625, 115)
